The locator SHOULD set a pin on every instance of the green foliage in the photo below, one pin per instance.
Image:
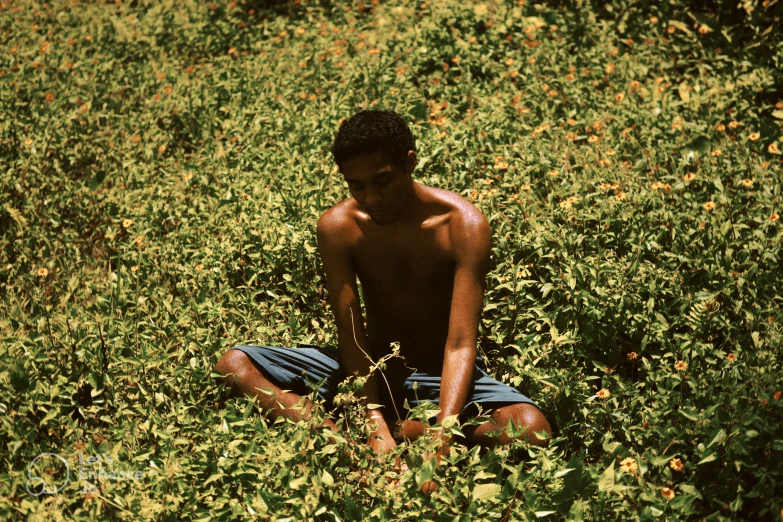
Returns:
(164, 165)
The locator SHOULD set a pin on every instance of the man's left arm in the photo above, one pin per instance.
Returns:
(472, 239)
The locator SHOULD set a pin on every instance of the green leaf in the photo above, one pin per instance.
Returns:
(708, 458)
(485, 491)
(606, 482)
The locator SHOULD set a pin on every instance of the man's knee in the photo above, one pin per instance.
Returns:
(233, 365)
(530, 418)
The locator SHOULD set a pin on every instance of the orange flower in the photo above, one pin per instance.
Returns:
(676, 464)
(509, 62)
(747, 183)
(635, 84)
(140, 241)
(525, 187)
(609, 69)
(552, 93)
(671, 29)
(633, 355)
(199, 267)
(716, 152)
(753, 136)
(603, 393)
(553, 173)
(709, 206)
(773, 148)
(472, 39)
(703, 29)
(126, 223)
(620, 97)
(689, 177)
(776, 395)
(620, 196)
(162, 149)
(43, 272)
(774, 217)
(500, 163)
(134, 268)
(653, 19)
(570, 77)
(667, 493)
(720, 127)
(49, 96)
(731, 357)
(680, 366)
(733, 125)
(593, 139)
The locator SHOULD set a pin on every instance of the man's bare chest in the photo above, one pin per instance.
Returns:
(419, 258)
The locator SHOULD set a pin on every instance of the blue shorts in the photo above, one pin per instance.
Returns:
(300, 369)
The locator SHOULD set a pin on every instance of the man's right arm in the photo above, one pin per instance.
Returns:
(334, 248)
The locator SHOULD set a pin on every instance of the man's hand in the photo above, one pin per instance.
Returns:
(381, 440)
(444, 448)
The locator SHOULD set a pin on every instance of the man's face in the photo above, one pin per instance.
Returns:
(380, 187)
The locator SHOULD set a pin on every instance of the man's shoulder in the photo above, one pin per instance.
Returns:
(338, 220)
(463, 215)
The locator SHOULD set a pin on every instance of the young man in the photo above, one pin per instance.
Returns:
(421, 256)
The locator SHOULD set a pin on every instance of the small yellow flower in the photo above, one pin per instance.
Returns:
(525, 187)
(671, 29)
(593, 139)
(509, 62)
(747, 183)
(500, 163)
(162, 149)
(552, 94)
(609, 68)
(709, 206)
(126, 223)
(680, 366)
(633, 355)
(199, 267)
(774, 217)
(565, 204)
(667, 493)
(733, 125)
(656, 185)
(773, 148)
(620, 97)
(753, 136)
(703, 29)
(628, 465)
(635, 84)
(653, 19)
(472, 39)
(731, 357)
(716, 152)
(676, 464)
(188, 176)
(43, 272)
(135, 268)
(620, 196)
(139, 241)
(553, 173)
(720, 127)
(603, 393)
(689, 177)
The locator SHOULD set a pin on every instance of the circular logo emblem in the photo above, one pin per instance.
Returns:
(47, 474)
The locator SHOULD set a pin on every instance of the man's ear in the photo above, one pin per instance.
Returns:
(412, 160)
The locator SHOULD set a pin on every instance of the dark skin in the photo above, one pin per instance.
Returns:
(421, 256)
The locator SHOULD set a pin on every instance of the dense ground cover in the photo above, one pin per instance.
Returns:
(164, 164)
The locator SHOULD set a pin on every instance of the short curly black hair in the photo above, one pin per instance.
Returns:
(371, 131)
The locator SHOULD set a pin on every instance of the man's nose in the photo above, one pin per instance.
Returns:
(373, 198)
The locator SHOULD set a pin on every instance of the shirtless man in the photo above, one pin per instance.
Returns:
(421, 255)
